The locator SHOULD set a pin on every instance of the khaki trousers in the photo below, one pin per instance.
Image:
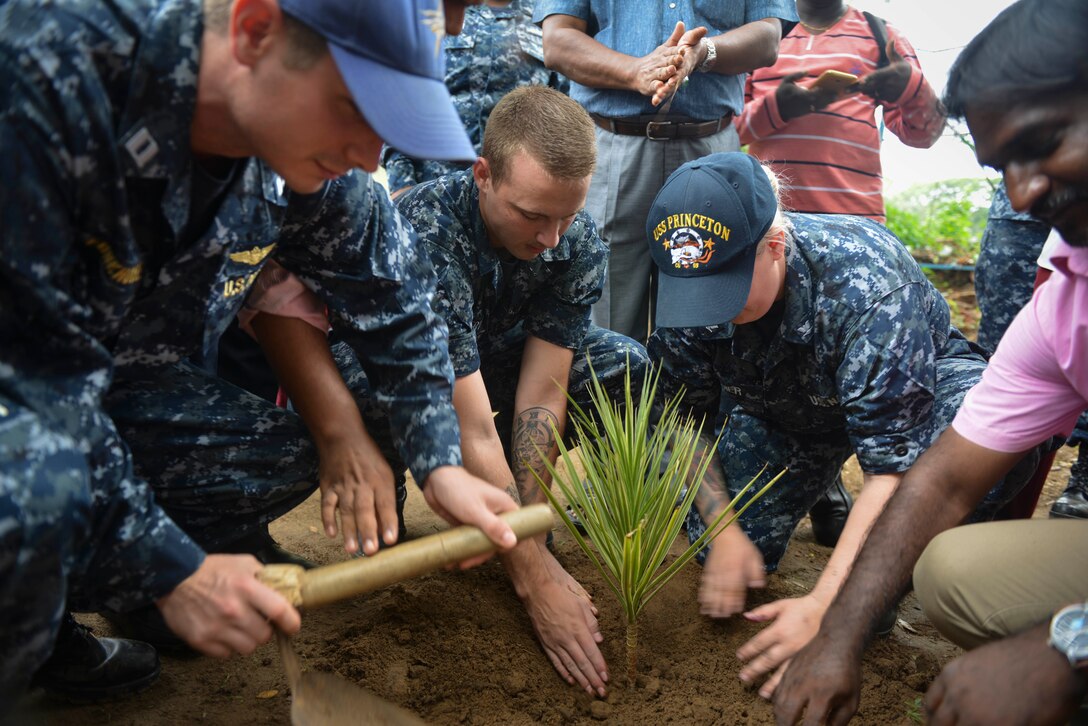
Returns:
(983, 582)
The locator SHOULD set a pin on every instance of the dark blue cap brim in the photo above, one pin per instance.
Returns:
(413, 114)
(695, 302)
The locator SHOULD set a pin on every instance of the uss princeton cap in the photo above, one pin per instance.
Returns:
(389, 53)
(703, 230)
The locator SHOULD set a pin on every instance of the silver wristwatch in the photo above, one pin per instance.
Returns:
(1069, 634)
(711, 56)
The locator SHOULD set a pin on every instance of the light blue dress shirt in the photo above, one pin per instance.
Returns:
(636, 27)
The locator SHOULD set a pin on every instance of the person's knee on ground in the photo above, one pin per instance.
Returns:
(947, 575)
(981, 582)
(220, 474)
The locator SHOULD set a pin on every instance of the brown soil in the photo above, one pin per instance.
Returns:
(457, 647)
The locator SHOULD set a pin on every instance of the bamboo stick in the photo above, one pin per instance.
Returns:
(329, 584)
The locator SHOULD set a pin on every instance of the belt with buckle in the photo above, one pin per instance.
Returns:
(662, 130)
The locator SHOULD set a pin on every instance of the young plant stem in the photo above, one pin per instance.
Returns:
(643, 465)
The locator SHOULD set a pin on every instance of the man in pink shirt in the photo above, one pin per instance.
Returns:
(1013, 591)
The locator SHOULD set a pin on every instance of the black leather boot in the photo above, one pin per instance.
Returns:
(829, 514)
(261, 545)
(148, 625)
(86, 669)
(1073, 503)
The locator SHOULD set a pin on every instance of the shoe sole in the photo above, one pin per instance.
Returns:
(1063, 515)
(88, 695)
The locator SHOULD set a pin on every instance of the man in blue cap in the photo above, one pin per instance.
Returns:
(807, 339)
(155, 154)
(660, 96)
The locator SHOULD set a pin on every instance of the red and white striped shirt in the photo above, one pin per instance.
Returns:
(830, 159)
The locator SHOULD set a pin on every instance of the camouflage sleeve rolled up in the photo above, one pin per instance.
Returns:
(561, 312)
(684, 358)
(888, 380)
(354, 250)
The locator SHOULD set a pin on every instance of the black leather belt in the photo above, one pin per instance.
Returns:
(655, 130)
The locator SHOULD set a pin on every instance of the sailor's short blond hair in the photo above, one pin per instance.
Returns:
(551, 127)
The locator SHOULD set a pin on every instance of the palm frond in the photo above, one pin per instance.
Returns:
(632, 502)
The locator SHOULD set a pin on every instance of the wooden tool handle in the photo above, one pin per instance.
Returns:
(324, 585)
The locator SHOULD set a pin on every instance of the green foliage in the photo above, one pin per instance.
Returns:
(941, 221)
(914, 710)
(633, 501)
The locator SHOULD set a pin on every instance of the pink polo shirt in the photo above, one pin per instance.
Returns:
(1036, 384)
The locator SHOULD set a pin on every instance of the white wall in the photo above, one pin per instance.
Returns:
(938, 30)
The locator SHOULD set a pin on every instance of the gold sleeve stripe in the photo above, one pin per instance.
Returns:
(117, 272)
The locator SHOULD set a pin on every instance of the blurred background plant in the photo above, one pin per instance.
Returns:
(941, 222)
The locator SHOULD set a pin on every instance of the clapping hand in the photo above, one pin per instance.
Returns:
(662, 71)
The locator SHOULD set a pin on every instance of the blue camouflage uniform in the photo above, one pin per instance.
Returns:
(1005, 269)
(492, 302)
(498, 50)
(107, 286)
(859, 357)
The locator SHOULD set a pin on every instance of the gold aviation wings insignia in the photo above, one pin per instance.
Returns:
(252, 256)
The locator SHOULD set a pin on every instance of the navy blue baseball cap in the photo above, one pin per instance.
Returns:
(389, 53)
(703, 230)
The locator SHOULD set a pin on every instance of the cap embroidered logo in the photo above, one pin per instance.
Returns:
(688, 249)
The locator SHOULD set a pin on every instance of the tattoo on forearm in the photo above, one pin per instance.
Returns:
(533, 438)
(712, 495)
